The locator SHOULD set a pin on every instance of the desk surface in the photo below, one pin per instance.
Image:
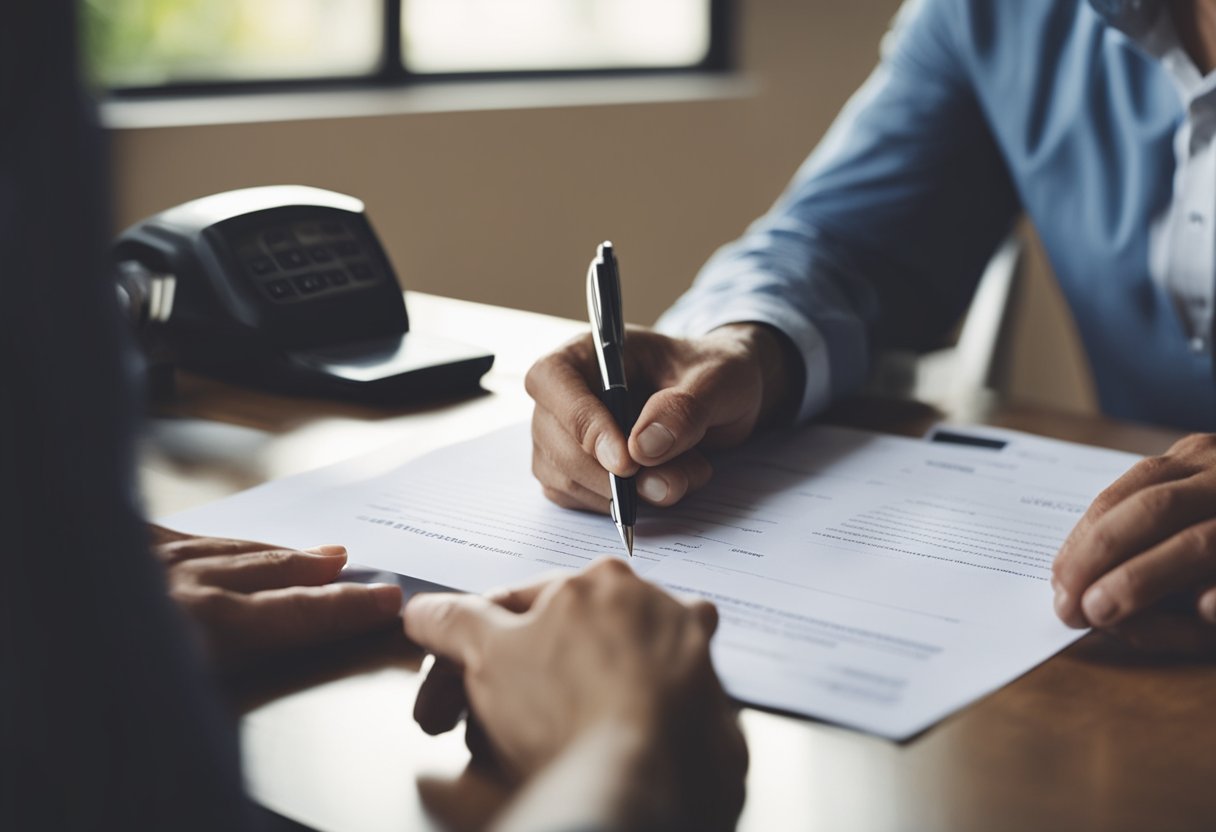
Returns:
(1096, 738)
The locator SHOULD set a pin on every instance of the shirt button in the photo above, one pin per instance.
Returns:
(1198, 345)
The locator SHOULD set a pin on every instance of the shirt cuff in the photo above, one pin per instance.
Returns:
(817, 387)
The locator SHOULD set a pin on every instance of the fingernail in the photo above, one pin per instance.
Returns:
(329, 550)
(1061, 604)
(1207, 607)
(387, 597)
(656, 440)
(605, 452)
(653, 488)
(1099, 607)
(1055, 584)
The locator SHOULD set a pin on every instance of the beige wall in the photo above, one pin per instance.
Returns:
(505, 206)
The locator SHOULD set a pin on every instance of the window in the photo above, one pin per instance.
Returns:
(511, 35)
(178, 45)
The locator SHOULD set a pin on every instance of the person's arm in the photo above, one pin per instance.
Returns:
(878, 242)
(596, 694)
(882, 235)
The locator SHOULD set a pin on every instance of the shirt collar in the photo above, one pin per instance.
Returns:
(1149, 26)
(1132, 17)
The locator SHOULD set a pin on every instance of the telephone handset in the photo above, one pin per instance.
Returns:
(288, 288)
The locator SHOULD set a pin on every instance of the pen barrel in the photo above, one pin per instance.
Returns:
(616, 399)
(624, 490)
(624, 499)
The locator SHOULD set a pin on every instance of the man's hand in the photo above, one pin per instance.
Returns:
(250, 599)
(594, 690)
(703, 392)
(1142, 561)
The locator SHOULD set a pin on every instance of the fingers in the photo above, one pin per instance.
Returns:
(453, 626)
(441, 701)
(614, 576)
(1144, 474)
(1186, 560)
(573, 479)
(667, 484)
(299, 616)
(175, 549)
(480, 746)
(569, 476)
(708, 391)
(520, 599)
(1205, 604)
(716, 397)
(158, 535)
(559, 383)
(707, 616)
(273, 569)
(283, 619)
(1134, 525)
(1098, 542)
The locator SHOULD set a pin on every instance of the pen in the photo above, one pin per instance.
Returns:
(606, 312)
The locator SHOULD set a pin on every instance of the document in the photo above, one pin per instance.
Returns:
(874, 581)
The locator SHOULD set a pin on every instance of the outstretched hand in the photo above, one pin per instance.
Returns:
(596, 692)
(251, 600)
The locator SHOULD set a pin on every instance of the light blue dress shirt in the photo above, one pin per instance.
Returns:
(981, 110)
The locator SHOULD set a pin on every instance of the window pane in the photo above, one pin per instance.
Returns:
(150, 42)
(490, 35)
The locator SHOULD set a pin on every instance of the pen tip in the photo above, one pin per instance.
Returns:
(627, 538)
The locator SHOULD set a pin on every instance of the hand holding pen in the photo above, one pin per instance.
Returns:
(703, 392)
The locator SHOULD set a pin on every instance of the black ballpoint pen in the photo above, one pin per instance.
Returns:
(606, 312)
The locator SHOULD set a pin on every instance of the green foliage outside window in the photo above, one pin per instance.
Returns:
(152, 42)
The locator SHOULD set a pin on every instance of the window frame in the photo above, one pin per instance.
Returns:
(391, 73)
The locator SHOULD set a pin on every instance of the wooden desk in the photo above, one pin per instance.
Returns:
(1096, 739)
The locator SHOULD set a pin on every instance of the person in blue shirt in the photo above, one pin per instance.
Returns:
(1098, 121)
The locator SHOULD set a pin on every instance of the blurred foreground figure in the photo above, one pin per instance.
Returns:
(109, 717)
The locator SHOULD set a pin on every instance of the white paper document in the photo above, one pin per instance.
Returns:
(874, 581)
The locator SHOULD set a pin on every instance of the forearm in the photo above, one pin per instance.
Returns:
(885, 228)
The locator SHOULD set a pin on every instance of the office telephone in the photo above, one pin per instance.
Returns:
(287, 288)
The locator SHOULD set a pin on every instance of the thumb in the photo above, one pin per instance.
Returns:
(715, 400)
(452, 626)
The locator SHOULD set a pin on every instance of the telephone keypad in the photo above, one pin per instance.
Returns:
(279, 289)
(310, 283)
(261, 265)
(293, 259)
(319, 259)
